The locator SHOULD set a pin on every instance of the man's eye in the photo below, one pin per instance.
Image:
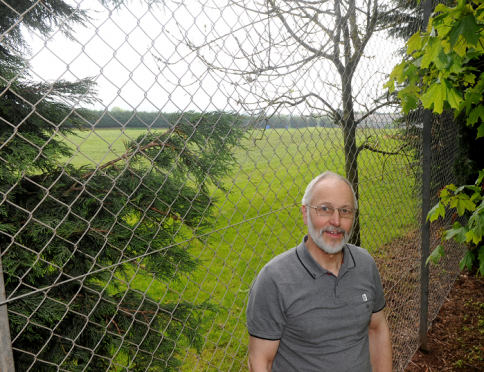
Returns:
(324, 208)
(345, 211)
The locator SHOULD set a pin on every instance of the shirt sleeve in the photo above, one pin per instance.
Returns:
(379, 294)
(265, 312)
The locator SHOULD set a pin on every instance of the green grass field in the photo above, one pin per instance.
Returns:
(260, 218)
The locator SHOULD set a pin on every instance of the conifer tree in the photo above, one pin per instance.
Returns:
(59, 222)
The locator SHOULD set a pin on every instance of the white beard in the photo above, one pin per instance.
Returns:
(317, 237)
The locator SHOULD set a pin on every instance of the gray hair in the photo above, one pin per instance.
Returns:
(308, 194)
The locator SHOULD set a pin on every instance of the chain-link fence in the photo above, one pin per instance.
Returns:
(153, 156)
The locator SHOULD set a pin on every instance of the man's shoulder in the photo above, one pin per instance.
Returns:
(360, 255)
(285, 267)
(282, 261)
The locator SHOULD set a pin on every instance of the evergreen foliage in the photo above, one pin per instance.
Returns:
(59, 222)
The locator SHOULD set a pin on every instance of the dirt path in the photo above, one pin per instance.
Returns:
(456, 338)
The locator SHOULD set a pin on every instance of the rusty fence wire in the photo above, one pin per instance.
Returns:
(153, 157)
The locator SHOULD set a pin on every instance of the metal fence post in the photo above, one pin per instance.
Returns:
(427, 132)
(424, 293)
(6, 354)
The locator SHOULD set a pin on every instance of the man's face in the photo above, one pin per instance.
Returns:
(329, 233)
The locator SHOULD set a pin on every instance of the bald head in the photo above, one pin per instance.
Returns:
(329, 176)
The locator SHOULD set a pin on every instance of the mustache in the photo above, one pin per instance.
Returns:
(332, 229)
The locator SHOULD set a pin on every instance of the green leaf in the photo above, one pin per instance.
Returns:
(390, 84)
(445, 196)
(412, 74)
(409, 96)
(434, 97)
(433, 48)
(471, 98)
(453, 96)
(476, 196)
(481, 176)
(414, 43)
(438, 93)
(481, 260)
(435, 255)
(451, 187)
(476, 114)
(470, 78)
(479, 13)
(441, 8)
(454, 63)
(441, 61)
(481, 267)
(457, 232)
(467, 261)
(466, 27)
(437, 211)
(462, 203)
(398, 70)
(480, 130)
(472, 236)
(477, 223)
(460, 48)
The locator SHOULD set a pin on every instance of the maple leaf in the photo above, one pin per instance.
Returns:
(438, 93)
(414, 43)
(437, 211)
(476, 114)
(452, 95)
(436, 254)
(433, 48)
(409, 96)
(468, 28)
(434, 96)
(480, 131)
(462, 202)
(467, 261)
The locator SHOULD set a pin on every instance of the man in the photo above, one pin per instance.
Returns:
(318, 307)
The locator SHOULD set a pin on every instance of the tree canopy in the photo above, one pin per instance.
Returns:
(298, 54)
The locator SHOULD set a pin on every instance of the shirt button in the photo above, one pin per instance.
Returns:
(314, 275)
(367, 306)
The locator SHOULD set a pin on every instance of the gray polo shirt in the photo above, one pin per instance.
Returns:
(321, 320)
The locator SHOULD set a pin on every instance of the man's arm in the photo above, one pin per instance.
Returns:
(380, 345)
(261, 354)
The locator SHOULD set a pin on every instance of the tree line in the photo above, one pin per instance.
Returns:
(117, 117)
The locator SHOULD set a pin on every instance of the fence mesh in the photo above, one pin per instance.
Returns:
(153, 157)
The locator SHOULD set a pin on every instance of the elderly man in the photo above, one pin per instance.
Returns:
(318, 307)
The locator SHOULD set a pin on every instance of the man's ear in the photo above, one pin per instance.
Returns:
(304, 211)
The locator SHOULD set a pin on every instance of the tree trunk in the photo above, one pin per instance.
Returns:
(351, 150)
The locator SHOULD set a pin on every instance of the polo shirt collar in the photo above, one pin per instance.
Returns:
(312, 267)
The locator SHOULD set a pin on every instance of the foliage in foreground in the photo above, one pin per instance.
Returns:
(64, 222)
(472, 232)
(443, 70)
(61, 223)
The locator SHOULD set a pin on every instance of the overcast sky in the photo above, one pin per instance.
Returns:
(120, 49)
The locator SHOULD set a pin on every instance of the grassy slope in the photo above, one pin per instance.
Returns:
(265, 191)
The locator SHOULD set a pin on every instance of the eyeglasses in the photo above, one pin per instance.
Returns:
(324, 210)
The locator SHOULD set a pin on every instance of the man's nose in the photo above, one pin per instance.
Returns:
(335, 218)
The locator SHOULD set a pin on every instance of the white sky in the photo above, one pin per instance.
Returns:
(118, 49)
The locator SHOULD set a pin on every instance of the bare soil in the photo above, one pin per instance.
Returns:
(456, 338)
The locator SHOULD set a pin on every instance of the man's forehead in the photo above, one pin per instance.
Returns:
(333, 188)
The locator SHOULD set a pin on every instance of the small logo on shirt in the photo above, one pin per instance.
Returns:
(363, 296)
